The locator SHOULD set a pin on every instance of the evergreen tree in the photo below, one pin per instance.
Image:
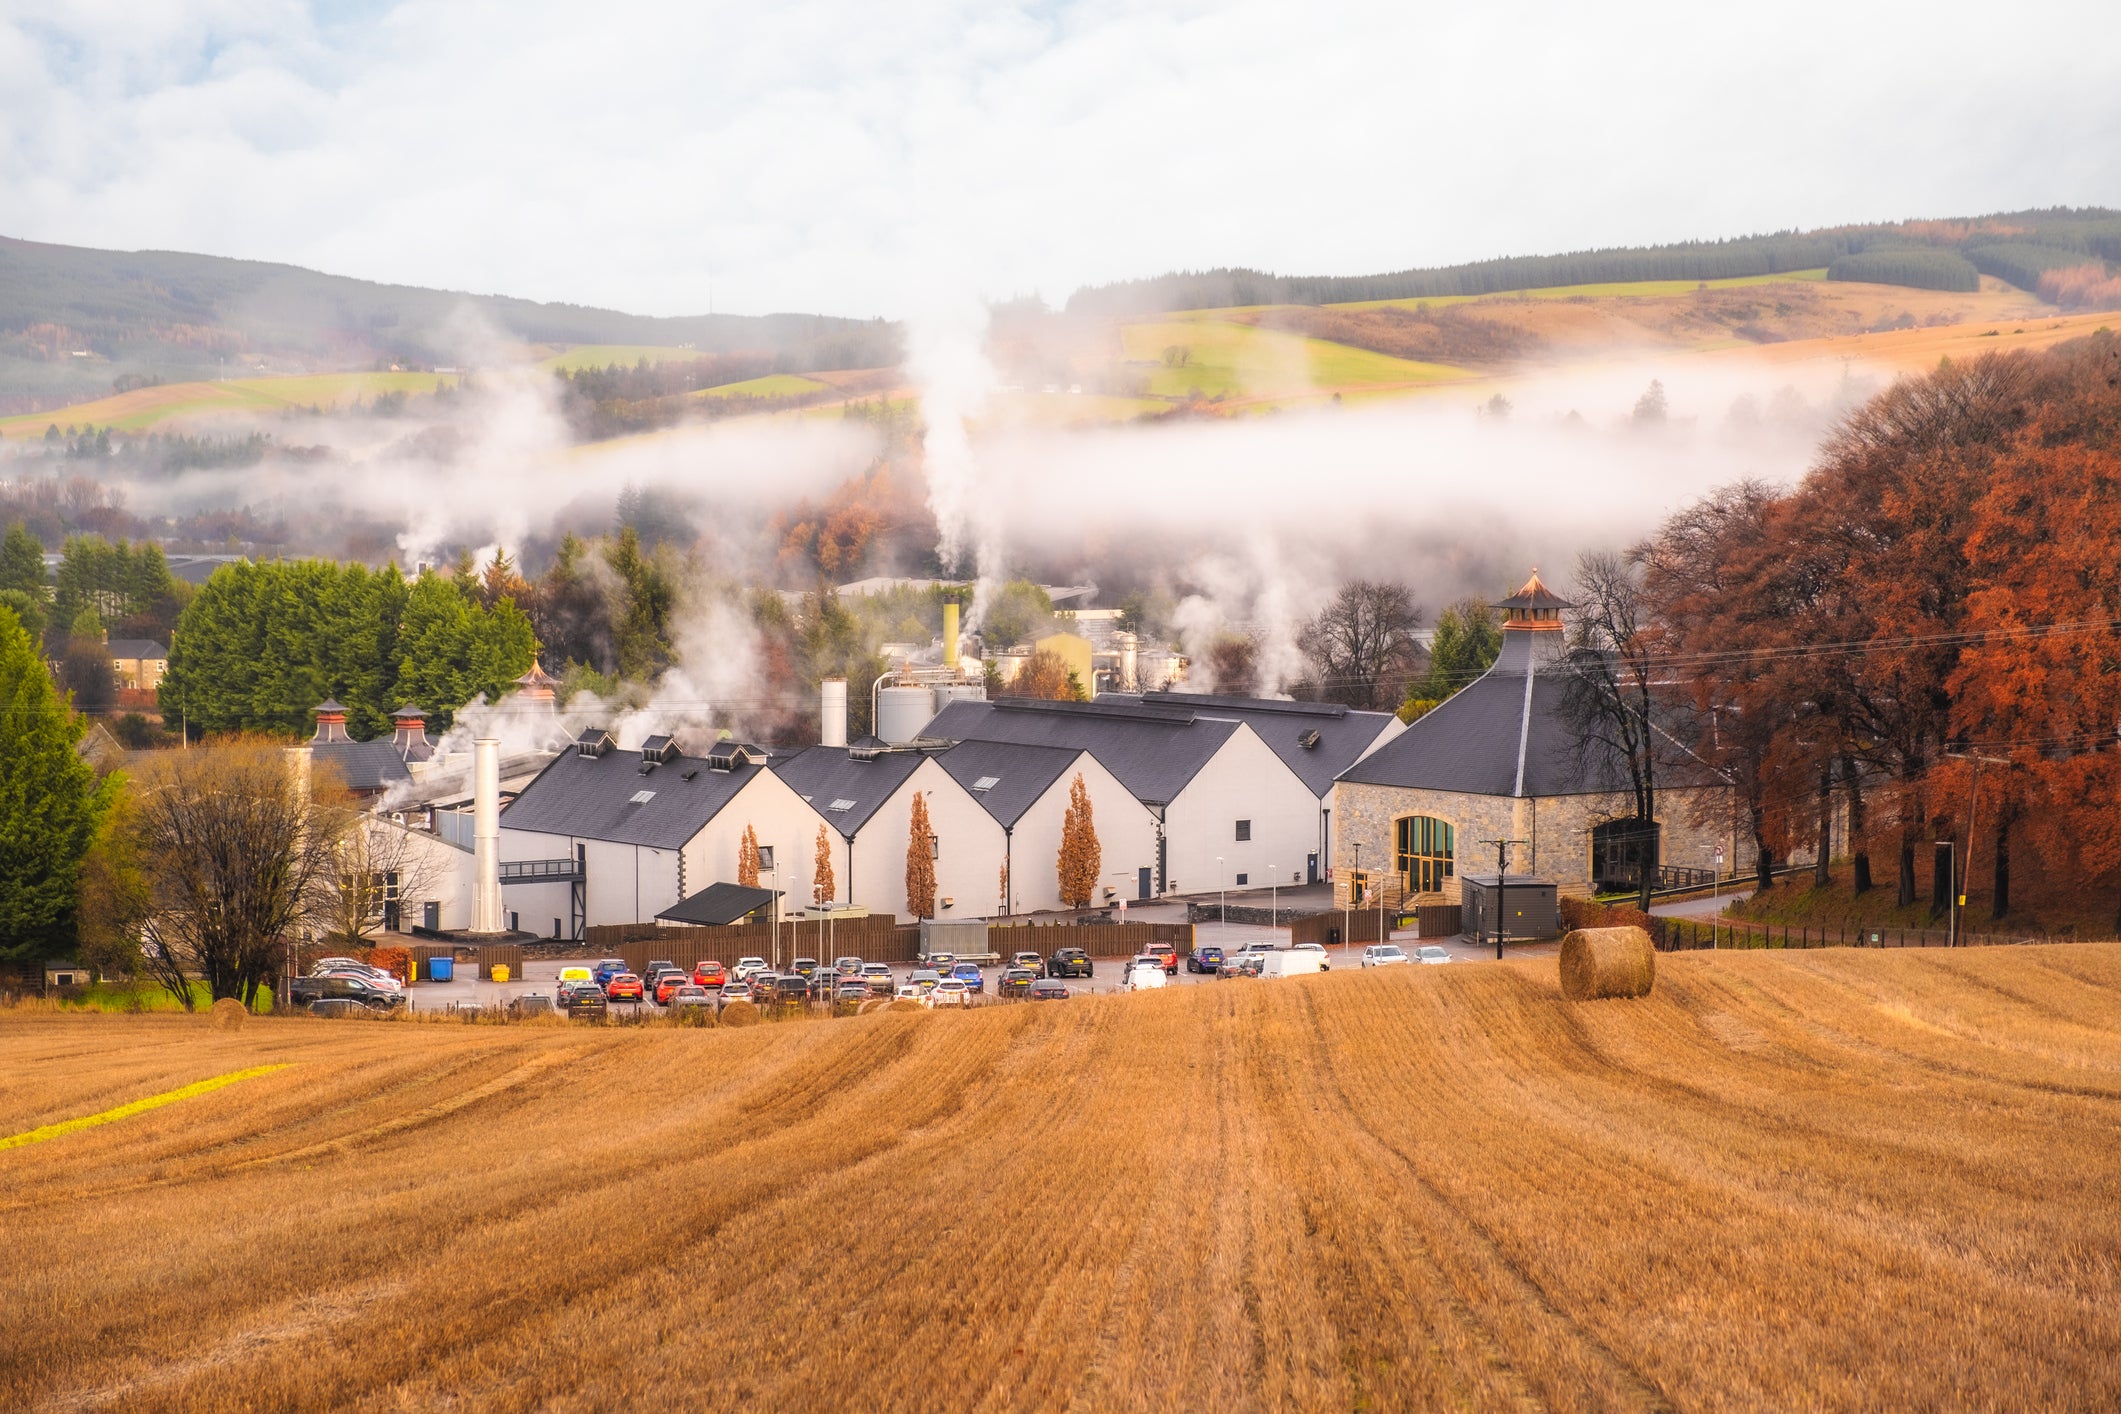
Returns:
(1468, 638)
(451, 651)
(22, 562)
(642, 633)
(570, 612)
(50, 803)
(920, 861)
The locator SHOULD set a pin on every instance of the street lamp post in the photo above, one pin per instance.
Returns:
(1502, 887)
(1222, 900)
(1347, 917)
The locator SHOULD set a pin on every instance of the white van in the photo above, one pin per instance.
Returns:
(1292, 962)
(1144, 974)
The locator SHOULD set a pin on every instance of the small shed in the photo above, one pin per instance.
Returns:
(960, 937)
(1531, 907)
(719, 905)
(58, 974)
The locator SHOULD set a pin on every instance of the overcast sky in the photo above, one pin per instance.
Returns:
(855, 157)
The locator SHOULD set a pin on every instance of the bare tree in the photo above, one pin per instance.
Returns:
(375, 865)
(1608, 699)
(1363, 644)
(231, 846)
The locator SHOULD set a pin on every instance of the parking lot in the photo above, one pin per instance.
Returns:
(542, 977)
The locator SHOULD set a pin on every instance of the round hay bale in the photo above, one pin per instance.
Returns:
(873, 1004)
(905, 1004)
(1607, 962)
(228, 1014)
(739, 1014)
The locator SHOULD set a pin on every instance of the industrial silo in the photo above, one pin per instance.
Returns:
(902, 711)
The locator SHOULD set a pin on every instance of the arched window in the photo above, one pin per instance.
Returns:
(1424, 846)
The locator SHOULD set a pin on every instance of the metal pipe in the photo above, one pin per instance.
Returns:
(486, 835)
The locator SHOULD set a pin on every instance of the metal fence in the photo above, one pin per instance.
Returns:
(1686, 935)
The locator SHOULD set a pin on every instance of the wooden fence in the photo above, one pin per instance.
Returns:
(1335, 928)
(689, 947)
(1097, 939)
(1686, 935)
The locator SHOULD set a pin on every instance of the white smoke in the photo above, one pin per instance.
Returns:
(946, 357)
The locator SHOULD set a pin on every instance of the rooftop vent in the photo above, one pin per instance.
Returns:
(866, 753)
(986, 782)
(641, 797)
(647, 766)
(1309, 739)
(727, 755)
(841, 804)
(659, 749)
(688, 773)
(594, 741)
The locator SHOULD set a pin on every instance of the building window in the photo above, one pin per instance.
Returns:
(1244, 829)
(1424, 852)
(1243, 879)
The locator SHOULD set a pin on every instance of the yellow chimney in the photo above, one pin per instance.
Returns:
(950, 634)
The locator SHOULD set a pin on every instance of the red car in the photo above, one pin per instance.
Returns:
(709, 974)
(1165, 954)
(623, 988)
(666, 984)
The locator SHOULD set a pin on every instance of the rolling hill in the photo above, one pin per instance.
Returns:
(1830, 1179)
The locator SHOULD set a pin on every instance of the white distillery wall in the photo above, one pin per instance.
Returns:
(441, 874)
(1243, 781)
(1126, 838)
(784, 821)
(625, 883)
(968, 866)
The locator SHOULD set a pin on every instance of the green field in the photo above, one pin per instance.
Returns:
(773, 385)
(144, 407)
(1634, 289)
(624, 355)
(1236, 360)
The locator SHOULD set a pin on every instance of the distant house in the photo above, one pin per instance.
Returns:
(138, 663)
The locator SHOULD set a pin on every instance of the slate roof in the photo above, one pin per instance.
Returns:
(1344, 733)
(1021, 773)
(592, 797)
(1153, 750)
(865, 778)
(129, 648)
(717, 905)
(1500, 735)
(362, 766)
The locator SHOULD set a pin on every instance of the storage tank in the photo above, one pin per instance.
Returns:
(949, 692)
(902, 711)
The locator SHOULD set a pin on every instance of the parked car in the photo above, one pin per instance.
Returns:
(666, 986)
(1144, 973)
(1069, 962)
(585, 1002)
(1015, 982)
(1206, 958)
(1049, 989)
(356, 990)
(607, 969)
(1431, 953)
(661, 964)
(803, 967)
(577, 974)
(925, 978)
(1383, 955)
(824, 984)
(735, 992)
(625, 987)
(950, 992)
(789, 987)
(878, 978)
(325, 966)
(969, 974)
(530, 1004)
(851, 992)
(1028, 959)
(847, 966)
(940, 962)
(1165, 955)
(690, 998)
(749, 967)
(654, 978)
(910, 993)
(1252, 964)
(1325, 959)
(374, 977)
(709, 974)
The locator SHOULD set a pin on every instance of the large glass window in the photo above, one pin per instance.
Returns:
(1424, 853)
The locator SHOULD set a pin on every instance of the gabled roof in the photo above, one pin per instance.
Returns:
(717, 905)
(1153, 751)
(1015, 775)
(845, 787)
(135, 648)
(1337, 735)
(1502, 734)
(595, 797)
(363, 766)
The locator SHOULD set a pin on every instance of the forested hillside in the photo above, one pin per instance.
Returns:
(75, 323)
(1939, 255)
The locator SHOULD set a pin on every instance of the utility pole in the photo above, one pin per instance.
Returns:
(1973, 805)
(1502, 887)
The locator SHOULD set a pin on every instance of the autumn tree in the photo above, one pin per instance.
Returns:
(1608, 699)
(748, 858)
(823, 888)
(1043, 676)
(920, 861)
(374, 866)
(1362, 644)
(1081, 857)
(1233, 664)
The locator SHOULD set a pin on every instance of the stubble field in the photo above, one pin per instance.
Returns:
(1829, 1179)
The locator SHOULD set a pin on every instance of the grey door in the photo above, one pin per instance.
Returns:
(1311, 870)
(1141, 883)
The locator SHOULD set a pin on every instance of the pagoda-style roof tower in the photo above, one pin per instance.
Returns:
(1534, 607)
(537, 685)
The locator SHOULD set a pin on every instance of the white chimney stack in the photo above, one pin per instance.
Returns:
(832, 712)
(486, 835)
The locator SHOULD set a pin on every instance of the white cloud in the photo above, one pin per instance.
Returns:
(842, 156)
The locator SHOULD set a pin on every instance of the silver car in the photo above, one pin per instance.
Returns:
(1432, 953)
(1383, 955)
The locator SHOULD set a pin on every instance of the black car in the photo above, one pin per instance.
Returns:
(803, 967)
(1069, 962)
(1015, 982)
(1206, 958)
(344, 987)
(656, 972)
(586, 1002)
(1049, 989)
(785, 988)
(824, 984)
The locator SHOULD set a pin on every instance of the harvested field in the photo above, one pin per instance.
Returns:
(1799, 1180)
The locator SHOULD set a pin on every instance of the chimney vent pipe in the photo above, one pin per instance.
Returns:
(486, 835)
(832, 712)
(950, 634)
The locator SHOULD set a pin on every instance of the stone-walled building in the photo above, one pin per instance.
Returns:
(1497, 761)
